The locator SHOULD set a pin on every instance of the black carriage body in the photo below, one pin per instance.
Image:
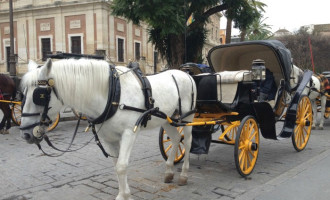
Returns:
(239, 56)
(210, 96)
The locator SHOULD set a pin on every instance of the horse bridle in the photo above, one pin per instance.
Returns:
(41, 97)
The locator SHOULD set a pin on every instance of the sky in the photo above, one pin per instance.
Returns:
(292, 14)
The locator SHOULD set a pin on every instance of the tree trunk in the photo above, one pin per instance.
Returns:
(177, 51)
(228, 30)
(243, 33)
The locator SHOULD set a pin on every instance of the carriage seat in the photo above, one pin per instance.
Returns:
(227, 82)
(222, 90)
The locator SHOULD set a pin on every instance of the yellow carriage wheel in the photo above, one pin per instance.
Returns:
(327, 113)
(16, 114)
(230, 131)
(165, 145)
(246, 146)
(54, 122)
(304, 119)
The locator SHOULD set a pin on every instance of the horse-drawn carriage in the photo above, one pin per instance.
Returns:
(326, 92)
(327, 110)
(228, 101)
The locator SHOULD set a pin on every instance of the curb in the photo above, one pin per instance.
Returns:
(272, 184)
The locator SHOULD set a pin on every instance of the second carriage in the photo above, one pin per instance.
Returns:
(228, 101)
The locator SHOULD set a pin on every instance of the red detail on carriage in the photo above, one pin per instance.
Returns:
(1, 96)
(327, 85)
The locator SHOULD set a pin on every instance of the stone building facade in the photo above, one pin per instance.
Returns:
(84, 27)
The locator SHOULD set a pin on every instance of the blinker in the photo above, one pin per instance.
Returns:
(41, 96)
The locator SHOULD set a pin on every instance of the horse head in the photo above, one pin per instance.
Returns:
(295, 76)
(39, 103)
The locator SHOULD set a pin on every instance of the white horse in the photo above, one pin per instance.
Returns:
(83, 84)
(314, 91)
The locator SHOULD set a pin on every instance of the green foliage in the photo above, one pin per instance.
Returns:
(167, 23)
(259, 30)
(245, 15)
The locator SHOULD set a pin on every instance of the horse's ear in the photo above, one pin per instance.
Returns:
(45, 69)
(32, 65)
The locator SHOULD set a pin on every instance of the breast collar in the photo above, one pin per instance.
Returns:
(113, 98)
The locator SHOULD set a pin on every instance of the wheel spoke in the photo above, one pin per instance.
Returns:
(241, 154)
(253, 135)
(242, 159)
(248, 159)
(250, 129)
(246, 162)
(303, 136)
(180, 149)
(252, 154)
(306, 131)
(168, 148)
(296, 136)
(299, 139)
(168, 140)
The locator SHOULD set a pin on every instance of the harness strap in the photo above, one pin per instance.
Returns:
(30, 126)
(146, 87)
(30, 114)
(177, 87)
(146, 90)
(98, 142)
(113, 98)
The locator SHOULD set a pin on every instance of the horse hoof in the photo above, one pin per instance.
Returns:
(124, 197)
(5, 132)
(168, 177)
(2, 131)
(183, 180)
(313, 127)
(320, 128)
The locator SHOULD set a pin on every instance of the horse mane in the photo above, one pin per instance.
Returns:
(75, 79)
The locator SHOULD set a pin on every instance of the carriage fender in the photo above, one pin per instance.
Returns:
(266, 119)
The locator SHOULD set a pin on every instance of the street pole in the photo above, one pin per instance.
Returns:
(12, 61)
(155, 61)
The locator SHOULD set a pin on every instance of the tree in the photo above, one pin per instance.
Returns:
(167, 22)
(298, 44)
(243, 16)
(259, 30)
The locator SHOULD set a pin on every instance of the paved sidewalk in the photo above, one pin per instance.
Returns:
(280, 172)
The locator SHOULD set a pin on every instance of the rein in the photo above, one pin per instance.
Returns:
(41, 97)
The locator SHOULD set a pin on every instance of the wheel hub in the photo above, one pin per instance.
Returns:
(253, 146)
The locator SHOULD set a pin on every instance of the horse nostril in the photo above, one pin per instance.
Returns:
(27, 136)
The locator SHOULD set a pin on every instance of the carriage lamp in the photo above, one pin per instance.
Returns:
(258, 70)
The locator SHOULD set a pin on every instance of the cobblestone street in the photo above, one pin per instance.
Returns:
(25, 173)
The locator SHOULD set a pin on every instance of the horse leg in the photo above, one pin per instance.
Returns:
(7, 119)
(2, 124)
(187, 144)
(323, 105)
(175, 137)
(126, 145)
(314, 107)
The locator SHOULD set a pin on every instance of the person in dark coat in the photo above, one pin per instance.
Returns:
(268, 87)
